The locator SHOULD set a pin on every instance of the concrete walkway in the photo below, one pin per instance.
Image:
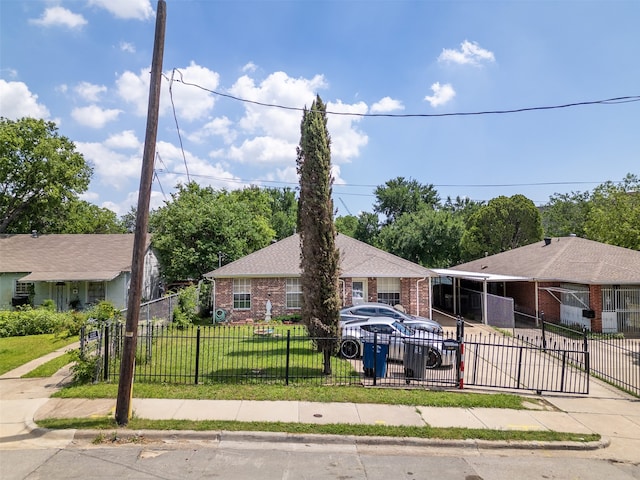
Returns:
(607, 411)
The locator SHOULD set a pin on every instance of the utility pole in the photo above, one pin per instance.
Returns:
(125, 385)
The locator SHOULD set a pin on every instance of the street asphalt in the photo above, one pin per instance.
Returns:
(605, 410)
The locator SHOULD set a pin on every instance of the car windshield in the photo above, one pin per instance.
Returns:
(403, 329)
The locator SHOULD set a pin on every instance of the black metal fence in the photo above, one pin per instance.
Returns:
(611, 357)
(278, 354)
(500, 361)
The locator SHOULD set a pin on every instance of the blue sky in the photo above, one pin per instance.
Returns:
(85, 65)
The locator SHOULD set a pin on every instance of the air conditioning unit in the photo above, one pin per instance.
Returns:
(588, 314)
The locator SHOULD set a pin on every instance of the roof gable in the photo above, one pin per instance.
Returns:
(69, 257)
(358, 259)
(565, 259)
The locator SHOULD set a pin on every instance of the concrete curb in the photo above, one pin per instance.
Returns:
(167, 436)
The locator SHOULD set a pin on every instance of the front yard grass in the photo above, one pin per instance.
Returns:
(16, 351)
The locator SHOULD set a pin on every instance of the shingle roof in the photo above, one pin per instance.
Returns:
(66, 257)
(565, 259)
(358, 259)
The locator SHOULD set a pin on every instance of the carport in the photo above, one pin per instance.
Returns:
(458, 275)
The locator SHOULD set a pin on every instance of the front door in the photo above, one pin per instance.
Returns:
(359, 291)
(61, 297)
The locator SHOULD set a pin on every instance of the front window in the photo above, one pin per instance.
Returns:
(242, 293)
(95, 292)
(389, 291)
(24, 289)
(294, 293)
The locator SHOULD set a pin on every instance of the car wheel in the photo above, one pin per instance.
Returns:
(350, 349)
(434, 359)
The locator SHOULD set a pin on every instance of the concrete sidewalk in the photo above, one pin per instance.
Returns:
(607, 411)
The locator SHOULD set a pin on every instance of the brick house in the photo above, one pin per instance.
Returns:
(241, 289)
(572, 280)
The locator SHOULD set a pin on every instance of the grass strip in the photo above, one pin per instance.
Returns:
(106, 423)
(341, 394)
(16, 351)
(49, 368)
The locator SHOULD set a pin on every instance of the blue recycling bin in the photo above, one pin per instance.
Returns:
(374, 359)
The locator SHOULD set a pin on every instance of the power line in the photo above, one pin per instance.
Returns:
(438, 185)
(608, 101)
(175, 117)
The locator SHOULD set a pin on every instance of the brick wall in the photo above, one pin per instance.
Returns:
(274, 289)
(523, 294)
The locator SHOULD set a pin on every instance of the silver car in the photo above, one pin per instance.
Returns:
(389, 331)
(369, 310)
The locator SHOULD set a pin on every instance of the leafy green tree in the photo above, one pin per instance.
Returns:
(461, 208)
(347, 225)
(40, 170)
(200, 227)
(128, 220)
(566, 213)
(284, 211)
(428, 237)
(503, 224)
(400, 195)
(614, 213)
(79, 216)
(320, 259)
(368, 228)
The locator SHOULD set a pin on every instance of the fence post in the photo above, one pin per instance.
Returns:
(585, 347)
(286, 368)
(105, 368)
(83, 332)
(197, 354)
(460, 351)
(544, 333)
(375, 358)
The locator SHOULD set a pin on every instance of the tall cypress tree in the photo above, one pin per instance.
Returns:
(320, 259)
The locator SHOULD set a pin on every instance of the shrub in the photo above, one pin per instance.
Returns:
(86, 366)
(186, 311)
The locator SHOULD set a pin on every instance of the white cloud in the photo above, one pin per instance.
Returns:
(110, 167)
(280, 89)
(127, 9)
(126, 140)
(441, 94)
(9, 72)
(131, 200)
(470, 53)
(346, 140)
(94, 116)
(270, 135)
(250, 67)
(16, 101)
(191, 103)
(59, 16)
(220, 127)
(386, 104)
(172, 169)
(127, 47)
(263, 150)
(89, 91)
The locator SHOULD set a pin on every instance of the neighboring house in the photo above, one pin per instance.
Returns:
(242, 288)
(72, 270)
(570, 279)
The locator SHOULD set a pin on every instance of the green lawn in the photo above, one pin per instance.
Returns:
(16, 351)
